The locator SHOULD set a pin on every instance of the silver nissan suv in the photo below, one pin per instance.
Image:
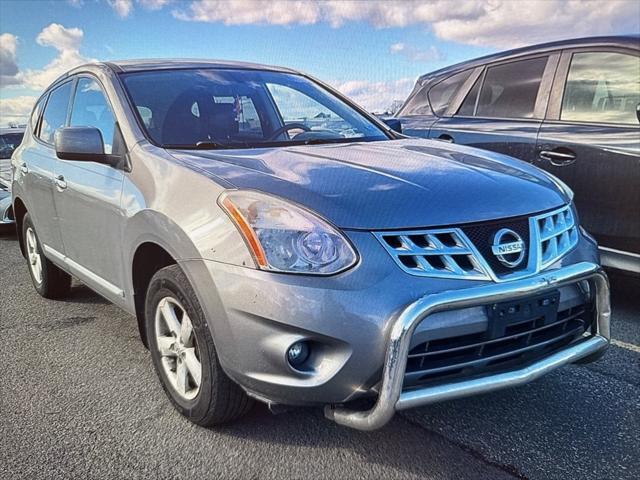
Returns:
(277, 243)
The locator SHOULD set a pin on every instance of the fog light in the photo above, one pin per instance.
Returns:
(298, 353)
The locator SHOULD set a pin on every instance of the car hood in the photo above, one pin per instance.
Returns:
(387, 184)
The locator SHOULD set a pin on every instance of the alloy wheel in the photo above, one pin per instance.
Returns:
(34, 256)
(178, 348)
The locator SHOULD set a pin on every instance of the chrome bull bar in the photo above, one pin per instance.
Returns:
(392, 398)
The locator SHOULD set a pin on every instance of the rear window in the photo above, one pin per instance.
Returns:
(437, 98)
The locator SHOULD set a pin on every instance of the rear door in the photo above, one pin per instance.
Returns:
(591, 140)
(503, 108)
(87, 197)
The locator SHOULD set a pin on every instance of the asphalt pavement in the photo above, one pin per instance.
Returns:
(79, 399)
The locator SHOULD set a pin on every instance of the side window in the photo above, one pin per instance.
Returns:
(91, 109)
(35, 115)
(55, 113)
(510, 90)
(441, 94)
(602, 87)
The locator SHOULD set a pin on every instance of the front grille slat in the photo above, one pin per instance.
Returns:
(473, 354)
(482, 361)
(528, 333)
(467, 251)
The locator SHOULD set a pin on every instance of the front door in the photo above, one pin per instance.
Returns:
(88, 196)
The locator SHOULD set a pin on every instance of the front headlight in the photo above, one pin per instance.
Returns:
(284, 237)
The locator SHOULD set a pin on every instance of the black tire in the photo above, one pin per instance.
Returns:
(55, 283)
(219, 399)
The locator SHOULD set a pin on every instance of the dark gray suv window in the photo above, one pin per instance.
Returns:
(436, 99)
(55, 113)
(602, 87)
(91, 109)
(510, 90)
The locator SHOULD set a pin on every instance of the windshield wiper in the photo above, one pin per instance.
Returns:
(203, 145)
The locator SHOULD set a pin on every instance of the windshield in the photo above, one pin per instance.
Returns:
(220, 108)
(8, 143)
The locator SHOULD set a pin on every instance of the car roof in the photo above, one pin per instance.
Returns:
(629, 41)
(176, 63)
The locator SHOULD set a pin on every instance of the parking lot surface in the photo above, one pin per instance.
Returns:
(79, 399)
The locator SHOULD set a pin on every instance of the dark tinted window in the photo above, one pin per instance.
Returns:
(510, 90)
(437, 98)
(55, 113)
(441, 95)
(467, 109)
(602, 87)
(8, 143)
(91, 109)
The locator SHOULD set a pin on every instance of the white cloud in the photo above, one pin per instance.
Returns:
(154, 4)
(122, 7)
(415, 54)
(244, 12)
(495, 23)
(9, 71)
(15, 109)
(509, 24)
(67, 42)
(376, 96)
(76, 3)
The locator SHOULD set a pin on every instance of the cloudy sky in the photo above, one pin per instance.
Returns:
(371, 50)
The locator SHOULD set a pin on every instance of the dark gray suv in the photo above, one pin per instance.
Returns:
(570, 107)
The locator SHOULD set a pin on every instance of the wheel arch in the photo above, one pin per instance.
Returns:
(149, 258)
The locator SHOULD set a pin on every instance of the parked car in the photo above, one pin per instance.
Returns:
(276, 242)
(569, 107)
(10, 138)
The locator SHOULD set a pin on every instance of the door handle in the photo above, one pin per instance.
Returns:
(24, 169)
(445, 137)
(61, 184)
(557, 157)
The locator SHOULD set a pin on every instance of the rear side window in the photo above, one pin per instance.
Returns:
(602, 87)
(510, 90)
(437, 98)
(55, 113)
(91, 109)
(440, 95)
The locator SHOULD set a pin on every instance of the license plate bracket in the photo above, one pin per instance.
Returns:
(543, 307)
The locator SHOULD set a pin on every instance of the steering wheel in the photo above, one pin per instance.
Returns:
(286, 128)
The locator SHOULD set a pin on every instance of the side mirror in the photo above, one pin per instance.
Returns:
(82, 144)
(393, 124)
(638, 112)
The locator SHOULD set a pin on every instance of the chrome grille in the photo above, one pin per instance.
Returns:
(465, 251)
(558, 234)
(445, 253)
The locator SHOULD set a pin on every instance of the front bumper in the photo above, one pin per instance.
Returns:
(391, 396)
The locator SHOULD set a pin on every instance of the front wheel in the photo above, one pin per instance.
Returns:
(184, 355)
